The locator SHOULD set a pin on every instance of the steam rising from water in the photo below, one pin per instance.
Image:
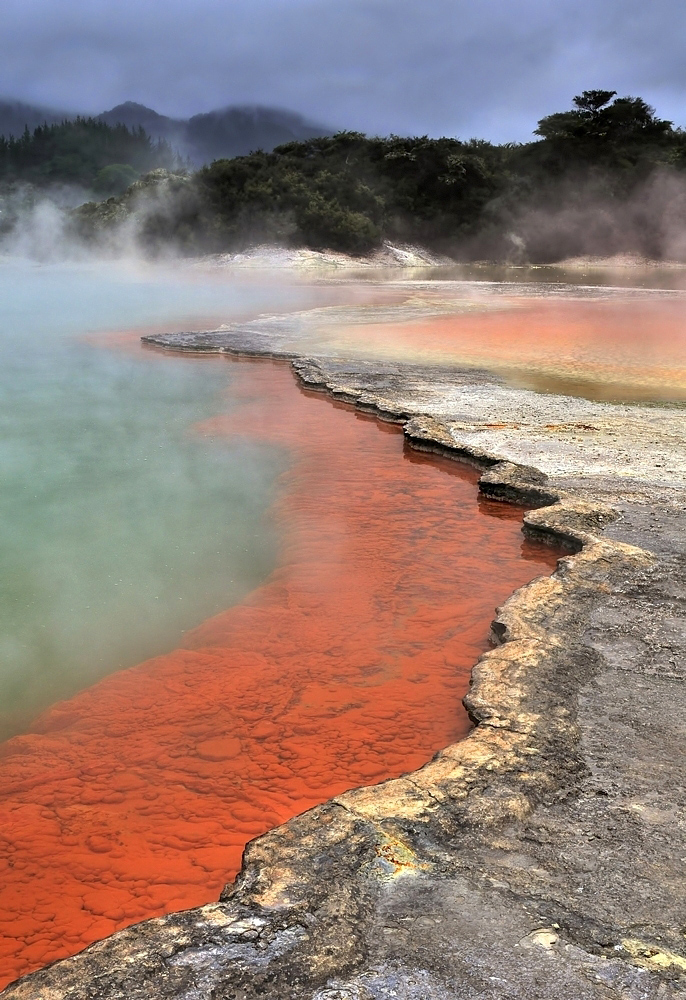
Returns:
(576, 218)
(119, 526)
(117, 529)
(584, 219)
(33, 224)
(38, 224)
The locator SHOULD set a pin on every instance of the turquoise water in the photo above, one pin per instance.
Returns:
(119, 528)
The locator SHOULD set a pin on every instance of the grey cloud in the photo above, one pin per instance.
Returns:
(455, 67)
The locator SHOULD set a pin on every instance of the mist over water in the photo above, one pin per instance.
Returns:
(119, 527)
(137, 494)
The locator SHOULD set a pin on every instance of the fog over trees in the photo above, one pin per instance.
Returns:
(605, 176)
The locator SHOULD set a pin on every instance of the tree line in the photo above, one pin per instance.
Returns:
(604, 176)
(85, 152)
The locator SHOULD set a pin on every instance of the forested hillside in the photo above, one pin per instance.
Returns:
(235, 130)
(85, 152)
(605, 176)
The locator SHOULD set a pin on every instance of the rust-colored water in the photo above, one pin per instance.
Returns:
(136, 797)
(615, 348)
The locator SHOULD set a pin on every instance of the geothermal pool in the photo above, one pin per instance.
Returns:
(224, 599)
(345, 667)
(303, 597)
(612, 347)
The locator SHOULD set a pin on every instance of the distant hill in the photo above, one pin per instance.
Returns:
(138, 116)
(226, 132)
(237, 131)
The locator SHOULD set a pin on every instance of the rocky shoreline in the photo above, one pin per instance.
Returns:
(539, 857)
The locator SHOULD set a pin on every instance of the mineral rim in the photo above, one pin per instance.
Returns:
(542, 856)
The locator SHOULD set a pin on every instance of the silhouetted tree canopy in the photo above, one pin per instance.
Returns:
(601, 129)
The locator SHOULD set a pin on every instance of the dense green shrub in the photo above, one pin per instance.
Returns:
(349, 192)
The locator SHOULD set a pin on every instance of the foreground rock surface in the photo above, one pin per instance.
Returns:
(540, 857)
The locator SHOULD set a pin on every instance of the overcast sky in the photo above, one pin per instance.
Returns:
(444, 67)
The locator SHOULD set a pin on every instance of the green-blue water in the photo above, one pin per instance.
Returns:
(119, 529)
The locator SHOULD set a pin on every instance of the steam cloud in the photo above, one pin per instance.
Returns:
(650, 223)
(43, 226)
(581, 220)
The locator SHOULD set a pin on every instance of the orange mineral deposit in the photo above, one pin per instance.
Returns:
(613, 348)
(347, 667)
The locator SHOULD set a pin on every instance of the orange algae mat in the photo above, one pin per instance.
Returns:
(637, 345)
(137, 796)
